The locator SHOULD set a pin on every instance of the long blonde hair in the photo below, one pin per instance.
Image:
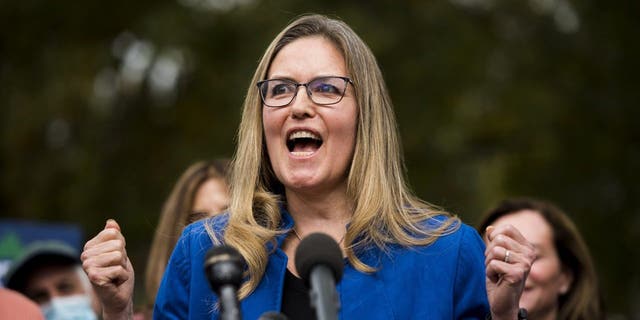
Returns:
(385, 211)
(176, 214)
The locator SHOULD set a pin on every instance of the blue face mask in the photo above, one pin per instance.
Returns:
(76, 307)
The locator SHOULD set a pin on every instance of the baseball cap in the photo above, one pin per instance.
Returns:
(36, 255)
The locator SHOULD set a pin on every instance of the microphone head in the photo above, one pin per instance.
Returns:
(272, 315)
(223, 265)
(319, 249)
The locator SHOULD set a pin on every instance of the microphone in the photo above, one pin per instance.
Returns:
(272, 315)
(223, 266)
(523, 314)
(319, 263)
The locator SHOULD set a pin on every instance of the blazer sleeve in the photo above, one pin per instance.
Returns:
(172, 300)
(470, 293)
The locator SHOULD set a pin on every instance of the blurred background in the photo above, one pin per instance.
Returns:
(102, 106)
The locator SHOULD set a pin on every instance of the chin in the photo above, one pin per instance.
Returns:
(299, 182)
(526, 300)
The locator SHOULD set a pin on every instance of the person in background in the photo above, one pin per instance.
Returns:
(14, 305)
(562, 283)
(201, 192)
(318, 151)
(50, 274)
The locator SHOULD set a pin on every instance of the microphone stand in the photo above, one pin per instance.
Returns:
(327, 304)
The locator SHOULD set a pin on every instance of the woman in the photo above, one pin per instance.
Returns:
(201, 192)
(328, 160)
(562, 283)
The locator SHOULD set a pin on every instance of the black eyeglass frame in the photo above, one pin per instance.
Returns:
(347, 81)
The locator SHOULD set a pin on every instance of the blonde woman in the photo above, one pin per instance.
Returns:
(318, 151)
(201, 192)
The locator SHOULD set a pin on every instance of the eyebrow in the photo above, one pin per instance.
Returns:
(280, 78)
(294, 80)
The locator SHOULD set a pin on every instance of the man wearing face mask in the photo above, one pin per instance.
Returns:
(50, 274)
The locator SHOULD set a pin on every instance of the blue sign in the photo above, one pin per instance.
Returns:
(15, 235)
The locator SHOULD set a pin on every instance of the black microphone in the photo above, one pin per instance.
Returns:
(319, 263)
(523, 314)
(223, 266)
(272, 315)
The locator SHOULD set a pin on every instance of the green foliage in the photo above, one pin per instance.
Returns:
(494, 99)
(10, 246)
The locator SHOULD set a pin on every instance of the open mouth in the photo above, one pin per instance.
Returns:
(303, 143)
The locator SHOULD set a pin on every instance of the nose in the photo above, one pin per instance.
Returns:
(55, 293)
(302, 105)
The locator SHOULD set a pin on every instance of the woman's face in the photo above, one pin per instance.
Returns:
(547, 280)
(211, 198)
(319, 162)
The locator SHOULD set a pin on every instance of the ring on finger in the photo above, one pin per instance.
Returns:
(507, 255)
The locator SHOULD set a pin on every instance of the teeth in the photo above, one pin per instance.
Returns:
(302, 153)
(303, 134)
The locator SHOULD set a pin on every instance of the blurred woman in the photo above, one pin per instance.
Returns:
(201, 192)
(562, 283)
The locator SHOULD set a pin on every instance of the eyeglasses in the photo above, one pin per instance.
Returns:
(322, 91)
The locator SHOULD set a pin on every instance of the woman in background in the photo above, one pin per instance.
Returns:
(562, 283)
(201, 192)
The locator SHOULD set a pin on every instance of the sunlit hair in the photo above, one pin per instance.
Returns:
(583, 300)
(384, 210)
(177, 212)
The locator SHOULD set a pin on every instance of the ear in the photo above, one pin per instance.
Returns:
(565, 281)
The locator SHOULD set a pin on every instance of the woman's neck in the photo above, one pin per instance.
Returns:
(547, 314)
(328, 213)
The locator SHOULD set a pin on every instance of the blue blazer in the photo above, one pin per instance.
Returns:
(444, 280)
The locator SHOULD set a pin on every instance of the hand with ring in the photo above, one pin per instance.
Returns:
(508, 259)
